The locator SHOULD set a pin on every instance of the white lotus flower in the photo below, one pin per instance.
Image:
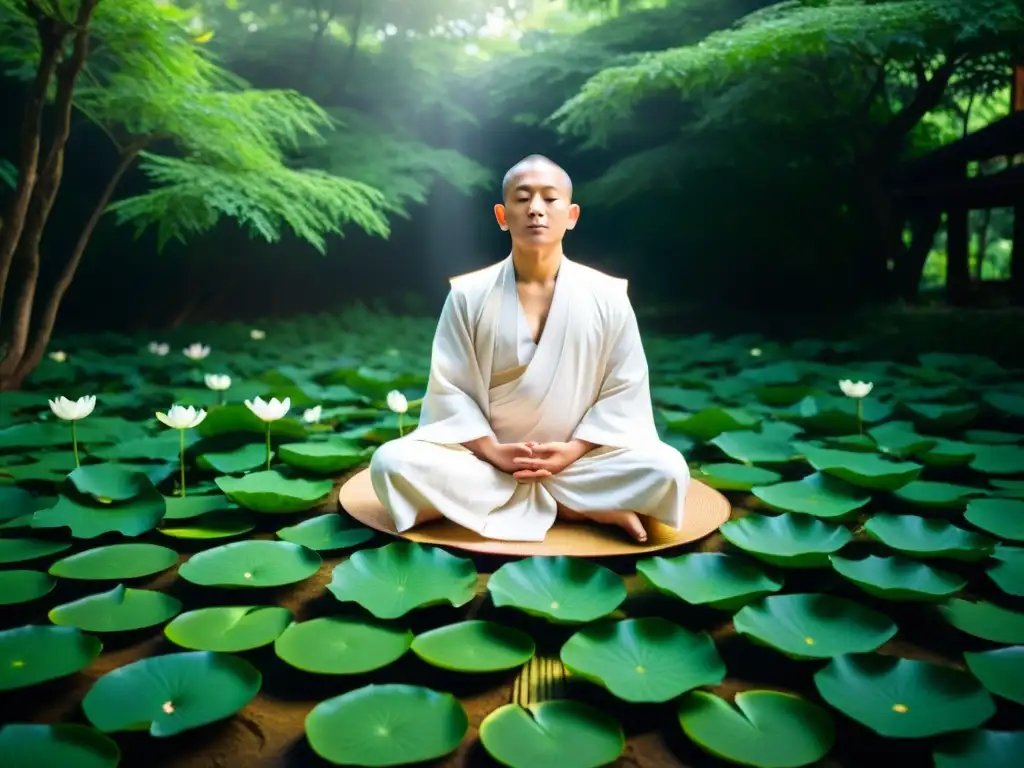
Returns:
(397, 401)
(256, 334)
(856, 389)
(269, 411)
(755, 352)
(156, 348)
(73, 410)
(179, 417)
(312, 415)
(196, 351)
(58, 356)
(218, 382)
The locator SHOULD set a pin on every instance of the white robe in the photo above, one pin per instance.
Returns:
(586, 378)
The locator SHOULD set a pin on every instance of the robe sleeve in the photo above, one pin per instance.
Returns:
(451, 411)
(622, 416)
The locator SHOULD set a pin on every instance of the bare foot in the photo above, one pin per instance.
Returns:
(626, 520)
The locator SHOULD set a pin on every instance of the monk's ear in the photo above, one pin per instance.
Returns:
(499, 214)
(574, 216)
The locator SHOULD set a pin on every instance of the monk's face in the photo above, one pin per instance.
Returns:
(538, 208)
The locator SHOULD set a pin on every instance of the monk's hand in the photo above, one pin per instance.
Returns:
(504, 455)
(548, 459)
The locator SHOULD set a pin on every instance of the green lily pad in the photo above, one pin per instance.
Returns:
(948, 453)
(325, 458)
(643, 660)
(172, 693)
(326, 532)
(34, 654)
(1008, 571)
(552, 734)
(904, 698)
(787, 540)
(243, 459)
(341, 645)
(67, 744)
(1001, 671)
(720, 580)
(708, 423)
(864, 470)
(109, 482)
(835, 415)
(767, 729)
(980, 749)
(23, 586)
(816, 494)
(474, 646)
(392, 580)
(755, 447)
(270, 491)
(928, 537)
(899, 439)
(15, 502)
(898, 578)
(116, 562)
(1001, 517)
(254, 563)
(228, 629)
(985, 620)
(1007, 403)
(736, 477)
(935, 495)
(20, 550)
(560, 589)
(118, 610)
(998, 459)
(386, 725)
(942, 417)
(188, 507)
(810, 626)
(132, 517)
(220, 524)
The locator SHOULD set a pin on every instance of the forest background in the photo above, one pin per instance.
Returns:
(249, 159)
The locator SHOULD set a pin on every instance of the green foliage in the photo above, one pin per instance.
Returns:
(8, 173)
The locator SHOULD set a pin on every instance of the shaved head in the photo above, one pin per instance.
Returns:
(529, 163)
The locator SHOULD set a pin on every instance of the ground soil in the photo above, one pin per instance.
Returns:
(269, 732)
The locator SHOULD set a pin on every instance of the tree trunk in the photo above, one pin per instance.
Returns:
(958, 274)
(979, 262)
(1017, 257)
(908, 269)
(48, 317)
(45, 192)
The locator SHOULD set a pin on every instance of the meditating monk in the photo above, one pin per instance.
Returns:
(538, 403)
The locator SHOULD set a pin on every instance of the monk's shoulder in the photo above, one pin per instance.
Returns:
(606, 288)
(470, 282)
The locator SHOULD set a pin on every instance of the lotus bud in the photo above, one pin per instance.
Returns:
(397, 401)
(312, 415)
(755, 352)
(196, 351)
(257, 335)
(218, 382)
(58, 356)
(158, 349)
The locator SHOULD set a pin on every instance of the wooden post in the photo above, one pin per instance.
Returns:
(1017, 104)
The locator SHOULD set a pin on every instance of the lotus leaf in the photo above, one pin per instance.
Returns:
(341, 645)
(560, 589)
(213, 525)
(928, 537)
(65, 744)
(270, 491)
(325, 458)
(109, 482)
(835, 415)
(474, 646)
(755, 447)
(15, 502)
(736, 477)
(34, 654)
(118, 610)
(44, 468)
(172, 693)
(1007, 403)
(720, 580)
(20, 550)
(188, 507)
(943, 417)
(1008, 572)
(685, 399)
(788, 540)
(24, 586)
(116, 562)
(810, 626)
(998, 459)
(242, 459)
(237, 418)
(228, 629)
(948, 453)
(643, 660)
(899, 439)
(904, 698)
(1001, 671)
(935, 495)
(767, 729)
(992, 437)
(1001, 517)
(386, 725)
(708, 423)
(392, 580)
(163, 446)
(865, 470)
(552, 734)
(817, 494)
(985, 620)
(133, 517)
(255, 563)
(326, 532)
(980, 749)
(898, 578)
